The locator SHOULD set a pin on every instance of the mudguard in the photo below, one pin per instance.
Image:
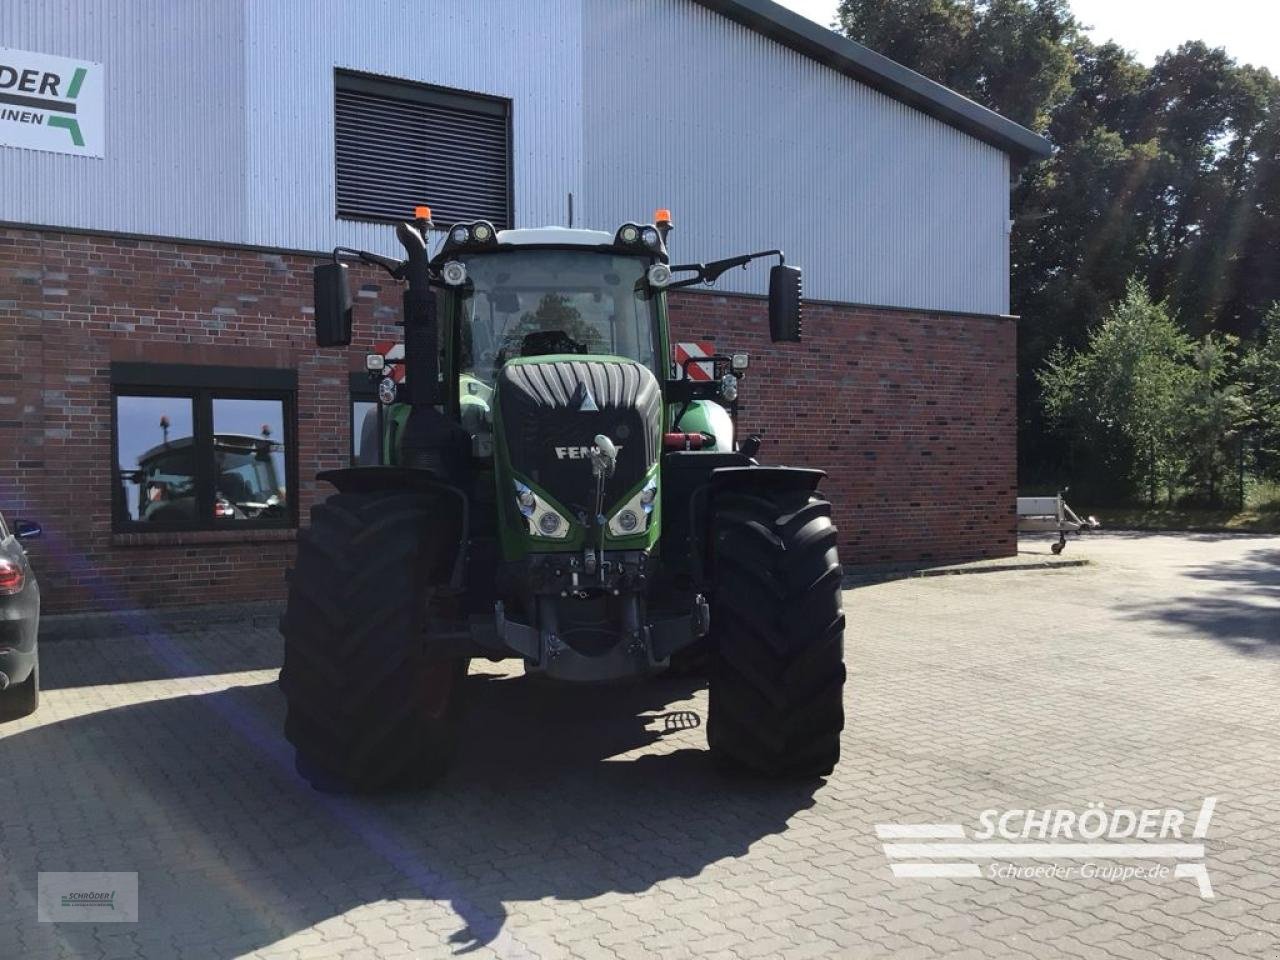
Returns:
(769, 479)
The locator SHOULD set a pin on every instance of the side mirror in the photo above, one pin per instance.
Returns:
(26, 529)
(784, 304)
(333, 305)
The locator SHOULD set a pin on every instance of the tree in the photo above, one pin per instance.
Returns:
(1011, 55)
(1127, 391)
(1261, 378)
(1215, 413)
(1170, 174)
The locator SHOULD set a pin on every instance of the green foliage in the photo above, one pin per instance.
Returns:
(1261, 380)
(1170, 174)
(1216, 410)
(1012, 55)
(1127, 391)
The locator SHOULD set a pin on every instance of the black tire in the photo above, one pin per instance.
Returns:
(22, 699)
(1057, 548)
(777, 629)
(369, 708)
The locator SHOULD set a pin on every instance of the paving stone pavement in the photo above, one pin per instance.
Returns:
(589, 823)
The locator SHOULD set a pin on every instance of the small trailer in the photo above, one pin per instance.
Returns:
(1051, 515)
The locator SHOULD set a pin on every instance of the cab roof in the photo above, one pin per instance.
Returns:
(554, 236)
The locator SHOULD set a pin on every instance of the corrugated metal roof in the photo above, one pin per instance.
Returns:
(888, 76)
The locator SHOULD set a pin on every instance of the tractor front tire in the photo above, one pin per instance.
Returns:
(369, 708)
(777, 630)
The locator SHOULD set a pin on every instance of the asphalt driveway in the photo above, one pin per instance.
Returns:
(589, 823)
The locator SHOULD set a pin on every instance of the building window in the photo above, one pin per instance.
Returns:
(203, 448)
(364, 433)
(364, 421)
(400, 144)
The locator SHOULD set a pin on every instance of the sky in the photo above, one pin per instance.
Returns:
(1249, 29)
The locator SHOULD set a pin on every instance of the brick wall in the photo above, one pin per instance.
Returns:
(912, 414)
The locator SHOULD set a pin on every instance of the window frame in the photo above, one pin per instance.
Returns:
(413, 91)
(203, 385)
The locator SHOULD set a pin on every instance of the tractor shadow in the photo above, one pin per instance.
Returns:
(560, 794)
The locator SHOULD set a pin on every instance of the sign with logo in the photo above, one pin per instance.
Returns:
(86, 897)
(51, 103)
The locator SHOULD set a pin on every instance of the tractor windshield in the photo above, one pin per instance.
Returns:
(529, 303)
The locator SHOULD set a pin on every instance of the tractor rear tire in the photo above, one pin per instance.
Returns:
(777, 630)
(369, 708)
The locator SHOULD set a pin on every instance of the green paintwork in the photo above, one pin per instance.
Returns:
(699, 419)
(515, 540)
(394, 418)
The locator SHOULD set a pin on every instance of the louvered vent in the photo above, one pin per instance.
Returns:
(399, 145)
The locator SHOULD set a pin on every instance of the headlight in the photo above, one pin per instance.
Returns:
(387, 390)
(459, 235)
(650, 237)
(659, 275)
(630, 233)
(634, 516)
(454, 273)
(729, 387)
(541, 519)
(648, 495)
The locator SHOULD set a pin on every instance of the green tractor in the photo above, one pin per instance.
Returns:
(549, 487)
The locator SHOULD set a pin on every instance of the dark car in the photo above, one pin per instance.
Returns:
(19, 623)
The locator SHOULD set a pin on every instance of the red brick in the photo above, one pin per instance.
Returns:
(911, 413)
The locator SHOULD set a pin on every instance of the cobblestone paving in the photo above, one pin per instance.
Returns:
(588, 823)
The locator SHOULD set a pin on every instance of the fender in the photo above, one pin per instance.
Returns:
(771, 479)
(393, 479)
(745, 478)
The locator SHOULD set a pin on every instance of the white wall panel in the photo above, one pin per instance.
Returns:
(753, 146)
(175, 147)
(220, 127)
(528, 51)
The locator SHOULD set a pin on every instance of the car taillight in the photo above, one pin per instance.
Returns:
(12, 579)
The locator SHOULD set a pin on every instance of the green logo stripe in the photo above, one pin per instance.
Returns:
(76, 79)
(70, 125)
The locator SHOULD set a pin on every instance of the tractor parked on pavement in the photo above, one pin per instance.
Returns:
(548, 486)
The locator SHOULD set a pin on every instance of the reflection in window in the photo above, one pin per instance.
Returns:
(364, 432)
(250, 479)
(155, 456)
(196, 460)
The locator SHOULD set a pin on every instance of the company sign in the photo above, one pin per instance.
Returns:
(51, 103)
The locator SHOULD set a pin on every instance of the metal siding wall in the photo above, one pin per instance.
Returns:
(174, 113)
(220, 127)
(525, 50)
(753, 146)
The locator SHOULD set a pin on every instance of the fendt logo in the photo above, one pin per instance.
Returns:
(50, 103)
(578, 453)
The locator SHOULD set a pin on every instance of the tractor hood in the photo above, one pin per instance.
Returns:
(550, 410)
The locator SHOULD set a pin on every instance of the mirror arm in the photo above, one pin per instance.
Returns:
(394, 267)
(711, 272)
